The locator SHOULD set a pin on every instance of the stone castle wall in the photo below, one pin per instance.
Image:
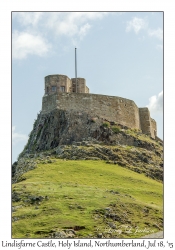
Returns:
(153, 128)
(145, 120)
(63, 93)
(148, 125)
(111, 108)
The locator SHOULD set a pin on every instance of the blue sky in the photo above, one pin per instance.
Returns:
(119, 54)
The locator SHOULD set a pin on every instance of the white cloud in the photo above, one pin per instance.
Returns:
(28, 18)
(24, 44)
(71, 23)
(83, 30)
(136, 24)
(36, 25)
(158, 33)
(17, 137)
(156, 103)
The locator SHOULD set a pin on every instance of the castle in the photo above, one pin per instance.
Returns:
(64, 93)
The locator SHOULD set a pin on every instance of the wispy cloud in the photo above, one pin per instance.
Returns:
(17, 137)
(28, 18)
(71, 24)
(83, 30)
(158, 33)
(35, 26)
(136, 24)
(24, 44)
(156, 103)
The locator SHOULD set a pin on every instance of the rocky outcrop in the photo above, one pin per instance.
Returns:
(75, 135)
(61, 127)
(22, 166)
(134, 158)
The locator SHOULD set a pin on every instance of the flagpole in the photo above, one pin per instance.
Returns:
(76, 70)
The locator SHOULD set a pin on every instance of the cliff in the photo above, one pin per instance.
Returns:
(85, 176)
(64, 133)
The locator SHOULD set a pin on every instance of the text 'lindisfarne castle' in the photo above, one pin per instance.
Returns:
(64, 93)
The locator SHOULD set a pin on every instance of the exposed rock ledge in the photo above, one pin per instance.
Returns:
(74, 135)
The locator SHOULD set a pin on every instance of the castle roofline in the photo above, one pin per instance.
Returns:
(78, 78)
(57, 75)
(66, 76)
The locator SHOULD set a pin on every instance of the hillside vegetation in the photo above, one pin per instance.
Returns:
(61, 198)
(86, 177)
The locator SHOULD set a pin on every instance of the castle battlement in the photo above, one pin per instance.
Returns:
(111, 108)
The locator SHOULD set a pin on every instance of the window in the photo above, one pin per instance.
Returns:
(47, 90)
(62, 88)
(53, 88)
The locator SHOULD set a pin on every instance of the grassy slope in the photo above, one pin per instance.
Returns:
(79, 191)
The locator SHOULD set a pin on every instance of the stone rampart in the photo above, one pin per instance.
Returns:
(145, 121)
(111, 108)
(153, 128)
(148, 125)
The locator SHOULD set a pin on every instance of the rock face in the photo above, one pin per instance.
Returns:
(112, 108)
(64, 128)
(22, 166)
(74, 135)
(61, 127)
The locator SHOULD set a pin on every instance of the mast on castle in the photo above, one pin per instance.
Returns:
(76, 70)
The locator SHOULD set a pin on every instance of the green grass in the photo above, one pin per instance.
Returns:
(136, 133)
(106, 124)
(116, 129)
(79, 192)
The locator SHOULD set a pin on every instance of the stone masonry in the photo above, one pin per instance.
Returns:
(111, 108)
(62, 83)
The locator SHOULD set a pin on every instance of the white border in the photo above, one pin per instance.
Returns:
(169, 71)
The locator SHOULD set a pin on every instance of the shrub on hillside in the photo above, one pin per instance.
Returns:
(116, 129)
(106, 124)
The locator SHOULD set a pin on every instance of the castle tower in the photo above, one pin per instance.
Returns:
(57, 83)
(62, 83)
(81, 85)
